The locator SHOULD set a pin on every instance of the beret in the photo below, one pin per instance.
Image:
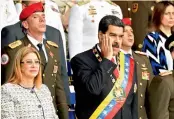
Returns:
(127, 21)
(29, 10)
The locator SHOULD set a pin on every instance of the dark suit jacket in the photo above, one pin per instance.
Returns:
(50, 78)
(14, 32)
(92, 84)
(161, 97)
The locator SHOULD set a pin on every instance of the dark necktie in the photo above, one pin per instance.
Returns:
(42, 55)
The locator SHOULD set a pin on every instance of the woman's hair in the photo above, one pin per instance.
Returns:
(158, 13)
(16, 75)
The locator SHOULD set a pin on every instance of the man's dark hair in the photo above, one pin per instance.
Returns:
(109, 20)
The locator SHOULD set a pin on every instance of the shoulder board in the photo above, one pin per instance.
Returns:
(110, 2)
(165, 73)
(15, 44)
(80, 3)
(141, 53)
(52, 44)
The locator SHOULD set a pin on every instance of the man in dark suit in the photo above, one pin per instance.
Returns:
(15, 32)
(33, 21)
(161, 91)
(142, 70)
(103, 89)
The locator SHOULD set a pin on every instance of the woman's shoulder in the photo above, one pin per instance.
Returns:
(8, 86)
(153, 35)
(44, 87)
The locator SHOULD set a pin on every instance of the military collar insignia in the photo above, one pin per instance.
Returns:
(96, 53)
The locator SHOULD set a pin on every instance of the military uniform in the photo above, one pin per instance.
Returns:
(141, 20)
(53, 18)
(51, 71)
(83, 23)
(144, 77)
(161, 96)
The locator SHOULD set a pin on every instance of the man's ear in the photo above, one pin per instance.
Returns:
(25, 24)
(100, 36)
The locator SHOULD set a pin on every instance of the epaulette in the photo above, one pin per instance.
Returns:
(15, 44)
(52, 44)
(165, 73)
(80, 3)
(141, 53)
(110, 2)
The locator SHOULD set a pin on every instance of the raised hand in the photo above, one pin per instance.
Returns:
(106, 46)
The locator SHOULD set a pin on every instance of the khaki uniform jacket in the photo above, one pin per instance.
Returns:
(142, 65)
(161, 97)
(51, 75)
(141, 20)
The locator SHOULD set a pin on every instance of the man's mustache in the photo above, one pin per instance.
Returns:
(116, 45)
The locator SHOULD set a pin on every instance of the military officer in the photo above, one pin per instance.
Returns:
(33, 21)
(83, 23)
(161, 91)
(141, 20)
(161, 96)
(52, 15)
(142, 70)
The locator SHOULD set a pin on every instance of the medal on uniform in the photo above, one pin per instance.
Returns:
(55, 69)
(145, 75)
(51, 54)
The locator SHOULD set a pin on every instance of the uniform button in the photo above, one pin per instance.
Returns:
(53, 97)
(55, 60)
(140, 46)
(141, 84)
(129, 9)
(43, 75)
(52, 74)
(39, 106)
(141, 107)
(140, 118)
(141, 95)
(53, 86)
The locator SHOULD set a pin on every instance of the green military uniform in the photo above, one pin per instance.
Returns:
(141, 20)
(51, 71)
(161, 96)
(144, 76)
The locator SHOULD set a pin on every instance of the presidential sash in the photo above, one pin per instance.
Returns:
(118, 94)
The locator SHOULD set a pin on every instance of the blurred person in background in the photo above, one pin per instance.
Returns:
(161, 91)
(153, 44)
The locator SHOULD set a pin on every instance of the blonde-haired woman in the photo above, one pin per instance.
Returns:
(24, 96)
